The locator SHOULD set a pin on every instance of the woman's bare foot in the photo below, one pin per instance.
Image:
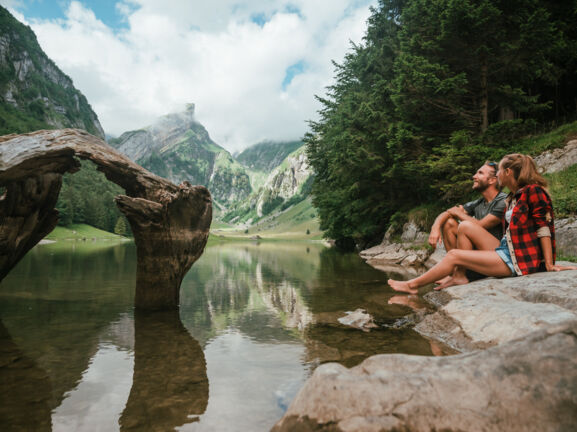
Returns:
(402, 286)
(445, 279)
(454, 280)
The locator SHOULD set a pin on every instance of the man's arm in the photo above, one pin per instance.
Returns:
(435, 235)
(487, 222)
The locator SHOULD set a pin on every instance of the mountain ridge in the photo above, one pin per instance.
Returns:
(34, 92)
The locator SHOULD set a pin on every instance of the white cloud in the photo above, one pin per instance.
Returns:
(213, 54)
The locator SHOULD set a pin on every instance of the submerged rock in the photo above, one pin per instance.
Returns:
(359, 319)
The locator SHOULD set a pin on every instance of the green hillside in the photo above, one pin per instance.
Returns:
(267, 155)
(81, 232)
(296, 222)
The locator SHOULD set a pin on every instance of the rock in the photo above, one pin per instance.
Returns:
(566, 236)
(170, 223)
(558, 159)
(518, 372)
(412, 234)
(492, 311)
(408, 253)
(359, 319)
(527, 384)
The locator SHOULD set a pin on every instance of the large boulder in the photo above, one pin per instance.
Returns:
(492, 311)
(566, 236)
(559, 159)
(528, 384)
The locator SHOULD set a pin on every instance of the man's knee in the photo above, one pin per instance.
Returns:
(451, 225)
(465, 226)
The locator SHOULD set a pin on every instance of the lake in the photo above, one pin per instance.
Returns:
(255, 320)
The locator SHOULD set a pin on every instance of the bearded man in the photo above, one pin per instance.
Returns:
(486, 211)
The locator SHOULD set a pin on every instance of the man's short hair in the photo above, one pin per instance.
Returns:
(493, 165)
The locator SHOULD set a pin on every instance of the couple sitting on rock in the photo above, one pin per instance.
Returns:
(478, 243)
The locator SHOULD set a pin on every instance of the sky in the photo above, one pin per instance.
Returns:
(251, 67)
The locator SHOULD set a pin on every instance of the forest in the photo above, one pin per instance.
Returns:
(436, 88)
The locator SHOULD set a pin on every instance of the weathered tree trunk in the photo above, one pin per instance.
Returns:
(170, 223)
(484, 102)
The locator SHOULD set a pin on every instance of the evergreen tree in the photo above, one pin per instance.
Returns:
(437, 87)
(120, 227)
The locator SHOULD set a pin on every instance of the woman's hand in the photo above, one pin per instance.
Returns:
(556, 268)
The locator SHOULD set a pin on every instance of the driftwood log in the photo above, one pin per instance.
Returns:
(170, 223)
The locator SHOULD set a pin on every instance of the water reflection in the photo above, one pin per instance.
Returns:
(254, 321)
(26, 389)
(169, 384)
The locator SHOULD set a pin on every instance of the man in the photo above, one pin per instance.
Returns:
(487, 211)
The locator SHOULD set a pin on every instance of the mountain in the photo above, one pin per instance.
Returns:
(267, 155)
(286, 185)
(179, 148)
(34, 92)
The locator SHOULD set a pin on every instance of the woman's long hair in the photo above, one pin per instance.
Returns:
(524, 170)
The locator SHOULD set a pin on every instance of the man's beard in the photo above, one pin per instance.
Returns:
(480, 187)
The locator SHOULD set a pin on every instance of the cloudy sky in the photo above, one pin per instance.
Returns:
(251, 67)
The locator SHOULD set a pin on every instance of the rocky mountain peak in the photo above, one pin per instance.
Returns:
(34, 92)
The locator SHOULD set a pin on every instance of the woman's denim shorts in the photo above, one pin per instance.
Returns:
(503, 251)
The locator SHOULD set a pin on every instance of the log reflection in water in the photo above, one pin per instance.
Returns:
(170, 384)
(26, 389)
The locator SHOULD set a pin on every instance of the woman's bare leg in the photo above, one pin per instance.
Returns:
(481, 261)
(470, 236)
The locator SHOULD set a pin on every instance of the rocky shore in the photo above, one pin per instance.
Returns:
(517, 370)
(517, 339)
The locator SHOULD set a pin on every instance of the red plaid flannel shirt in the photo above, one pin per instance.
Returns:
(532, 211)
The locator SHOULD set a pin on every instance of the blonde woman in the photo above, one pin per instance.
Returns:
(528, 245)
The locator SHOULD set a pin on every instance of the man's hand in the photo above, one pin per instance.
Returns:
(458, 212)
(434, 237)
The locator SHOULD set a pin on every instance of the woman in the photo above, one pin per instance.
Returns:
(528, 245)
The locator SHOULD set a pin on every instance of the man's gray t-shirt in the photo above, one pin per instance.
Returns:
(481, 208)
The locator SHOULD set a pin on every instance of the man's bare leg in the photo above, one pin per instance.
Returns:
(450, 231)
(469, 236)
(481, 261)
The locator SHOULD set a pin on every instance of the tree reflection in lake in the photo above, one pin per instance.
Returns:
(26, 389)
(169, 384)
(255, 319)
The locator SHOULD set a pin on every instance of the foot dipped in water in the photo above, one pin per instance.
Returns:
(402, 286)
(450, 281)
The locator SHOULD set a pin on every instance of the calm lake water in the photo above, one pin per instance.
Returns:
(255, 321)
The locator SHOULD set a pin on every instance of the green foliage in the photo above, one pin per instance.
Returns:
(270, 204)
(120, 228)
(87, 197)
(562, 186)
(436, 88)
